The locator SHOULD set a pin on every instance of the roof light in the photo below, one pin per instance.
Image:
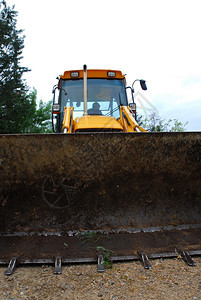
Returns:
(111, 74)
(74, 74)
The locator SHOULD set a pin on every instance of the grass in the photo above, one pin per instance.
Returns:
(89, 236)
(106, 254)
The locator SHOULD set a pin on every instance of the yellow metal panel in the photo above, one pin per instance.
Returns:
(68, 117)
(102, 122)
(128, 122)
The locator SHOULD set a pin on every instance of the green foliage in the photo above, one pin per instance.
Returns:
(18, 108)
(106, 256)
(15, 107)
(40, 120)
(87, 236)
(154, 123)
(92, 236)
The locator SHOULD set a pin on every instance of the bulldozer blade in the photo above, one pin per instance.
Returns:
(64, 195)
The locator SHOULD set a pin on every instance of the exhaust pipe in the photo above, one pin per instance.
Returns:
(85, 88)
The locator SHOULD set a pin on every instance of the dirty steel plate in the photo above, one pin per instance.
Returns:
(102, 181)
(81, 248)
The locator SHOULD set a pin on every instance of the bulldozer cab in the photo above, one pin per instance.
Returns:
(107, 93)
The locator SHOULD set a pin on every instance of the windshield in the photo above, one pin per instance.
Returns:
(104, 96)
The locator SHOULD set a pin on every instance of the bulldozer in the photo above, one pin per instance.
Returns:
(100, 186)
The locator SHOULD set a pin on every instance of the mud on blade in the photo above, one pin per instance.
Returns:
(109, 182)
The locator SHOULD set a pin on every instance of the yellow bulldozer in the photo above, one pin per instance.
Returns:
(100, 185)
(94, 101)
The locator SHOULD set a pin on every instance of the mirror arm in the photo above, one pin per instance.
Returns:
(142, 84)
(54, 88)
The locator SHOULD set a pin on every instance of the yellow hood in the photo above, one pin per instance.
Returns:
(96, 122)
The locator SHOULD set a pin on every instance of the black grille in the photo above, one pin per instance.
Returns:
(99, 130)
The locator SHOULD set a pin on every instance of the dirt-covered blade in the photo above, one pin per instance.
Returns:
(107, 182)
(100, 180)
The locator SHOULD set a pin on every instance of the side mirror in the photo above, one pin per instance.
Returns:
(143, 84)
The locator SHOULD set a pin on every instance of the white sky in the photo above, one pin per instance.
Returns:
(156, 40)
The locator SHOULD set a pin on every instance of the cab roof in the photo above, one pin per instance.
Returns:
(93, 73)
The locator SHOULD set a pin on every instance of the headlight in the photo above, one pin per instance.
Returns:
(132, 106)
(111, 74)
(74, 74)
(56, 108)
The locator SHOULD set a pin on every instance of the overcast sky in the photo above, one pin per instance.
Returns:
(156, 40)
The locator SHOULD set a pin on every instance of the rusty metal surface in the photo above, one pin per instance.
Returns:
(99, 181)
(77, 249)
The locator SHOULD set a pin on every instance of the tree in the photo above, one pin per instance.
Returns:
(18, 106)
(40, 121)
(154, 123)
(15, 105)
